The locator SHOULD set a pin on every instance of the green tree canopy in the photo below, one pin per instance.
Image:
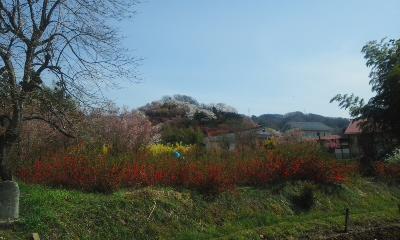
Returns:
(383, 110)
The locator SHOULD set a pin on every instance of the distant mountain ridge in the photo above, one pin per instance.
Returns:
(278, 121)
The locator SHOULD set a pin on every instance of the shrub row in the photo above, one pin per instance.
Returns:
(100, 175)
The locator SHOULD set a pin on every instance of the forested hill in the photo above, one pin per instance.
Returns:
(184, 120)
(277, 121)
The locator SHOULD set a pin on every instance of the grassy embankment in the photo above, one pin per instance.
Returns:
(161, 213)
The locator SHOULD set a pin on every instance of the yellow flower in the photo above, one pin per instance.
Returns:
(157, 150)
(270, 143)
(106, 149)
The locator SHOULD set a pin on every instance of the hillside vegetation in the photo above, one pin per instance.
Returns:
(184, 120)
(165, 213)
(277, 121)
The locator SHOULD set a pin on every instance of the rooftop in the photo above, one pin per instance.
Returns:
(213, 132)
(354, 127)
(307, 126)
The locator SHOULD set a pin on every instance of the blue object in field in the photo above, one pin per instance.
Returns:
(177, 154)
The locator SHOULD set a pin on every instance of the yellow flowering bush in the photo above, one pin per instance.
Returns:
(157, 150)
(184, 149)
(270, 143)
(106, 149)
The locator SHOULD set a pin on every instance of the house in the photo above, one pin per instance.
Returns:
(353, 133)
(332, 142)
(310, 130)
(375, 141)
(267, 133)
(229, 139)
(325, 135)
(225, 140)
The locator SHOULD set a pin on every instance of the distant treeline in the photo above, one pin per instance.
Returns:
(277, 121)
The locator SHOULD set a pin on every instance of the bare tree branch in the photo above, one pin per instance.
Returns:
(52, 124)
(65, 46)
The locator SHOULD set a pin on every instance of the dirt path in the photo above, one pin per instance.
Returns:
(390, 232)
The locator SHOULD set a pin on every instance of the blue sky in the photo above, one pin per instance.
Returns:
(260, 56)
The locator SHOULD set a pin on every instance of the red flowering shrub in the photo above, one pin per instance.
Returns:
(261, 173)
(75, 173)
(291, 162)
(388, 171)
(208, 177)
(215, 180)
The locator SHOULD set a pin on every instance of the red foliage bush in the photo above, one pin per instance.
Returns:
(74, 173)
(204, 176)
(261, 173)
(388, 171)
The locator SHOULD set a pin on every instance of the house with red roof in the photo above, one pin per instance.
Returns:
(353, 133)
(315, 131)
(379, 142)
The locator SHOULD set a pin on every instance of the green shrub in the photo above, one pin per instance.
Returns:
(394, 157)
(306, 200)
(188, 136)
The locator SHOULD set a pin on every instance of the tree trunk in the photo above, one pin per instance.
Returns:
(7, 141)
(368, 146)
(5, 149)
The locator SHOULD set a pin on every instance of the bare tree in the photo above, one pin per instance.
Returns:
(52, 51)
